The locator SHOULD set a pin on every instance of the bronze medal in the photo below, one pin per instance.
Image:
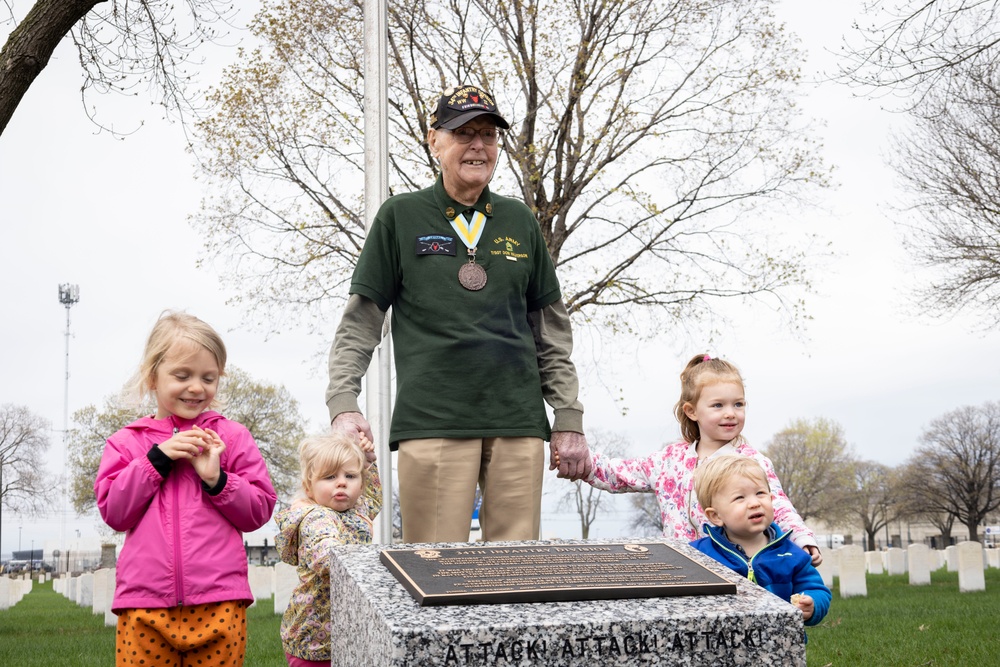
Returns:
(472, 276)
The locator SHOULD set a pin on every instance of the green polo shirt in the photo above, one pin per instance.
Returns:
(466, 363)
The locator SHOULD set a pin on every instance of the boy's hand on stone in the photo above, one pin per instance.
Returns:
(805, 604)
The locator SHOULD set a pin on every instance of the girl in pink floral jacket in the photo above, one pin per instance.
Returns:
(342, 496)
(712, 412)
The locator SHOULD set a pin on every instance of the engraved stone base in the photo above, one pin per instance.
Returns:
(376, 621)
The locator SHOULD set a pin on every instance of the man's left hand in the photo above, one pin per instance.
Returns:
(568, 451)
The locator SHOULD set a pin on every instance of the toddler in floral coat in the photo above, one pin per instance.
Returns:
(342, 495)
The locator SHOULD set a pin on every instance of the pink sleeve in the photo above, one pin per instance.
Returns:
(622, 475)
(125, 485)
(248, 498)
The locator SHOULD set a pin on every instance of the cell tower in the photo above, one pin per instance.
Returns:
(68, 296)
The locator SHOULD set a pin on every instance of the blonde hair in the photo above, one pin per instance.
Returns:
(699, 373)
(323, 455)
(175, 327)
(711, 475)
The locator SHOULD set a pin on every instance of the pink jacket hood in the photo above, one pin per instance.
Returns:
(182, 545)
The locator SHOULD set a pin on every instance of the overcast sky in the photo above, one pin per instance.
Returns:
(111, 215)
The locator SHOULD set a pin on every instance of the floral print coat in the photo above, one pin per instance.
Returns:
(306, 534)
(669, 473)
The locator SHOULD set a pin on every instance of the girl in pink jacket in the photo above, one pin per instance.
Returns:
(712, 412)
(184, 485)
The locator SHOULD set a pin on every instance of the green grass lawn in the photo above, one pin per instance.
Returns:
(899, 625)
(896, 625)
(45, 629)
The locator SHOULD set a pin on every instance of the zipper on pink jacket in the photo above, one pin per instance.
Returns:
(177, 540)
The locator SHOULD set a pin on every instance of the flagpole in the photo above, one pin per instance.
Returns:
(378, 380)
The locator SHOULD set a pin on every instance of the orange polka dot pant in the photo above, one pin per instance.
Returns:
(208, 635)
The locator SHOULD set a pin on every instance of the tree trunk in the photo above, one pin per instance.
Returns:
(30, 46)
(973, 527)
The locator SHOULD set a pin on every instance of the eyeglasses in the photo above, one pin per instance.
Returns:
(465, 135)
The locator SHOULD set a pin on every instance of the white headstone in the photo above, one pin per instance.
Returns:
(6, 594)
(993, 557)
(874, 561)
(852, 571)
(71, 587)
(833, 556)
(895, 561)
(110, 618)
(286, 578)
(951, 558)
(919, 557)
(970, 567)
(85, 592)
(101, 600)
(826, 570)
(261, 582)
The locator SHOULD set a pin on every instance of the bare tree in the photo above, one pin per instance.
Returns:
(815, 465)
(122, 45)
(949, 163)
(938, 60)
(646, 518)
(24, 438)
(85, 443)
(915, 46)
(268, 411)
(272, 416)
(647, 137)
(581, 498)
(913, 495)
(875, 498)
(956, 470)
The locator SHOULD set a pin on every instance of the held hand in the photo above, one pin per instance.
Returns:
(806, 606)
(570, 454)
(814, 552)
(368, 447)
(354, 424)
(207, 464)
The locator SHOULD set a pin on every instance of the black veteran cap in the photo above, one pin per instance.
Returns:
(460, 105)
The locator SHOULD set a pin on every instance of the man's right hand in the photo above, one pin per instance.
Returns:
(352, 423)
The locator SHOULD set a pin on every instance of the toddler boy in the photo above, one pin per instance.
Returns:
(742, 535)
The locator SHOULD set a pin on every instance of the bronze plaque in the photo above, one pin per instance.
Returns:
(550, 573)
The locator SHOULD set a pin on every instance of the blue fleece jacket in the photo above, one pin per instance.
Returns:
(782, 567)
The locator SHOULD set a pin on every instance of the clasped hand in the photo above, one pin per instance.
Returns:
(569, 454)
(202, 447)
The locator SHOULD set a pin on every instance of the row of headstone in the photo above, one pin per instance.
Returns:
(278, 581)
(851, 564)
(12, 590)
(94, 590)
(97, 589)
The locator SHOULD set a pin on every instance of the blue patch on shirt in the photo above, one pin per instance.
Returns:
(434, 244)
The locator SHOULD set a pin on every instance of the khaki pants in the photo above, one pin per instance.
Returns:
(437, 488)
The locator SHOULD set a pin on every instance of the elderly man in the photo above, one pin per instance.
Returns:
(481, 339)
